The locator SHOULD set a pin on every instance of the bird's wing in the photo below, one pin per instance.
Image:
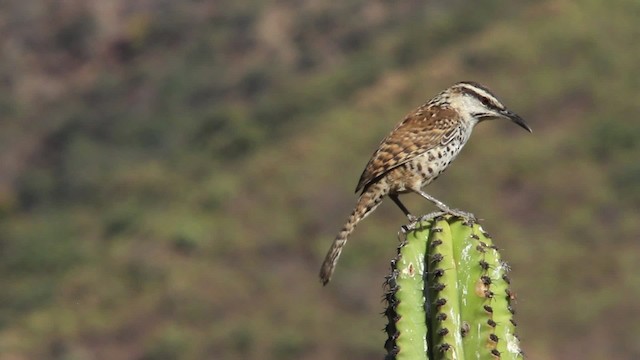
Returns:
(420, 131)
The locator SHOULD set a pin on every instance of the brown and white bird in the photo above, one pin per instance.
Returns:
(417, 151)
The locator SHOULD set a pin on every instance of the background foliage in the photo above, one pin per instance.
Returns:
(173, 172)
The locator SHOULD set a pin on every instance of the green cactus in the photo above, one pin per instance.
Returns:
(448, 295)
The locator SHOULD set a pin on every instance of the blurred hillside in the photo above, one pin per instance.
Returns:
(172, 173)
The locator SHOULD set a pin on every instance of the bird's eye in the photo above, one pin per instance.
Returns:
(486, 102)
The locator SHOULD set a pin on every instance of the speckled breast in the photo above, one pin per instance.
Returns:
(436, 160)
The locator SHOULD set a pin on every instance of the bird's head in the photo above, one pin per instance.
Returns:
(477, 102)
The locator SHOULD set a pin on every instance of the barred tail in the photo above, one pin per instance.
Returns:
(368, 201)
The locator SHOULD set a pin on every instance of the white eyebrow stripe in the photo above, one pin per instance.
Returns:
(481, 93)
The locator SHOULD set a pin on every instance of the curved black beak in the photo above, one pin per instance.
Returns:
(516, 119)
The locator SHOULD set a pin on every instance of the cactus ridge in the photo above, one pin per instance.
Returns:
(448, 295)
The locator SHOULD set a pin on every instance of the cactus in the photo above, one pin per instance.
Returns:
(448, 295)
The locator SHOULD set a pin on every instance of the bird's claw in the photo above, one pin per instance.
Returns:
(463, 215)
(467, 217)
(415, 221)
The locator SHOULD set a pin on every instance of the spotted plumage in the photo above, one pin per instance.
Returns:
(417, 151)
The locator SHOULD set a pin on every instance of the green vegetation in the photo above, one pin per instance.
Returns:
(448, 295)
(172, 172)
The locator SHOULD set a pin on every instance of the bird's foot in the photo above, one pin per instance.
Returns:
(432, 215)
(415, 221)
(463, 215)
(406, 228)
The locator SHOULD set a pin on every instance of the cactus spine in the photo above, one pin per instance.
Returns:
(448, 295)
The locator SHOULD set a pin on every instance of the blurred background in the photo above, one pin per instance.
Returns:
(172, 173)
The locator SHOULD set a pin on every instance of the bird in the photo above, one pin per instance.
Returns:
(416, 152)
